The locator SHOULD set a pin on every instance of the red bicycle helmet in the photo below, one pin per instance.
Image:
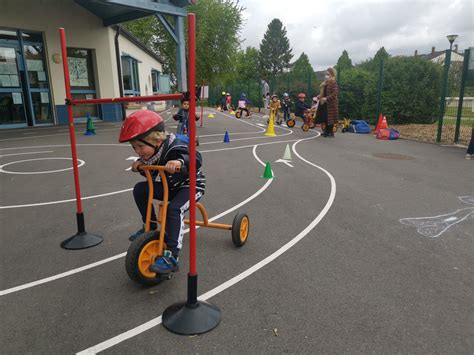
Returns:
(139, 124)
(301, 95)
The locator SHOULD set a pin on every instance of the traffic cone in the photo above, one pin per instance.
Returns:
(384, 123)
(231, 112)
(268, 173)
(211, 115)
(90, 129)
(287, 155)
(379, 122)
(226, 137)
(270, 128)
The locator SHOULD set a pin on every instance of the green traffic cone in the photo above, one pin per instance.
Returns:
(268, 174)
(90, 129)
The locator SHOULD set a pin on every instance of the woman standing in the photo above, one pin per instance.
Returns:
(331, 99)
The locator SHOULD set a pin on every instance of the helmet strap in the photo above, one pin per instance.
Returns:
(149, 144)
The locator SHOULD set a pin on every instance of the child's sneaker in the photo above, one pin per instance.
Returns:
(165, 264)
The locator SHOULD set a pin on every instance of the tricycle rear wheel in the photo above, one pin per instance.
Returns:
(240, 229)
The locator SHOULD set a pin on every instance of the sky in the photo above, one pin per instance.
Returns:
(323, 29)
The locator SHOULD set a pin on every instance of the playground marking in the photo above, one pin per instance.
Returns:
(284, 161)
(130, 189)
(89, 266)
(10, 155)
(433, 227)
(81, 163)
(156, 321)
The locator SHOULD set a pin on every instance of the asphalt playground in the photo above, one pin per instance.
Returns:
(356, 245)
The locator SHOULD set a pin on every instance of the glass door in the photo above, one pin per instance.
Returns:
(37, 77)
(12, 107)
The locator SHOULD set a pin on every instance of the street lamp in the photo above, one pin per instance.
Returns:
(451, 39)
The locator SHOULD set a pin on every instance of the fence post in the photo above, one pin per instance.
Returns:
(309, 85)
(379, 91)
(461, 94)
(288, 82)
(444, 84)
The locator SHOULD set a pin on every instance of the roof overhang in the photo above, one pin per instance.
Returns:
(113, 12)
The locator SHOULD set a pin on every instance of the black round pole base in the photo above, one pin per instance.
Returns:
(81, 241)
(191, 319)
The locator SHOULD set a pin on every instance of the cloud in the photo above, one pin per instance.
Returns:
(324, 29)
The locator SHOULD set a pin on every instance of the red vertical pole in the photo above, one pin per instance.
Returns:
(81, 239)
(192, 316)
(192, 142)
(72, 134)
(202, 102)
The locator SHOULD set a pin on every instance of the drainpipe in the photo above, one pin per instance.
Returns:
(119, 68)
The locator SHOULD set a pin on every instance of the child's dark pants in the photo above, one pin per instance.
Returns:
(178, 204)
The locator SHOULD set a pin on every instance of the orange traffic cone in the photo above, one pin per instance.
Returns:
(384, 123)
(378, 124)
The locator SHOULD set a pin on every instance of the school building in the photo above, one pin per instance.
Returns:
(104, 62)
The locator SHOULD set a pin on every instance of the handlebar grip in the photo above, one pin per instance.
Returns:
(183, 169)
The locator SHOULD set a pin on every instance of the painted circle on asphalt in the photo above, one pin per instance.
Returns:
(2, 170)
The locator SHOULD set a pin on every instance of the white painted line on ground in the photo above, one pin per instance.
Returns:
(156, 321)
(10, 155)
(81, 163)
(60, 276)
(121, 191)
(64, 201)
(284, 161)
(86, 267)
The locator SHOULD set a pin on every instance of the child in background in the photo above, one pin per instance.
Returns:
(145, 131)
(228, 100)
(243, 104)
(300, 106)
(286, 104)
(275, 107)
(182, 116)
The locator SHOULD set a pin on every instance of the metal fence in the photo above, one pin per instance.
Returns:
(436, 107)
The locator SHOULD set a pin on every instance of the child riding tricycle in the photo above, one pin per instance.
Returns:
(153, 253)
(304, 112)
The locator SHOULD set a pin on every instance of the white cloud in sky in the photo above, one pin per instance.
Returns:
(323, 29)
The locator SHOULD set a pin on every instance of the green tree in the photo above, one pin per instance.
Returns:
(411, 90)
(218, 23)
(302, 75)
(344, 62)
(247, 64)
(357, 94)
(275, 51)
(374, 63)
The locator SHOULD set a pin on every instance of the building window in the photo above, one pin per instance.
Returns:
(155, 83)
(131, 83)
(82, 78)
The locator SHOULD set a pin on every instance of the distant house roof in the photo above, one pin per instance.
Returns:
(131, 37)
(438, 56)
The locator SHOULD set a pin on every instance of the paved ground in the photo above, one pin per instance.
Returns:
(329, 266)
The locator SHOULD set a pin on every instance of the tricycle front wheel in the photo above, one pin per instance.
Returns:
(142, 253)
